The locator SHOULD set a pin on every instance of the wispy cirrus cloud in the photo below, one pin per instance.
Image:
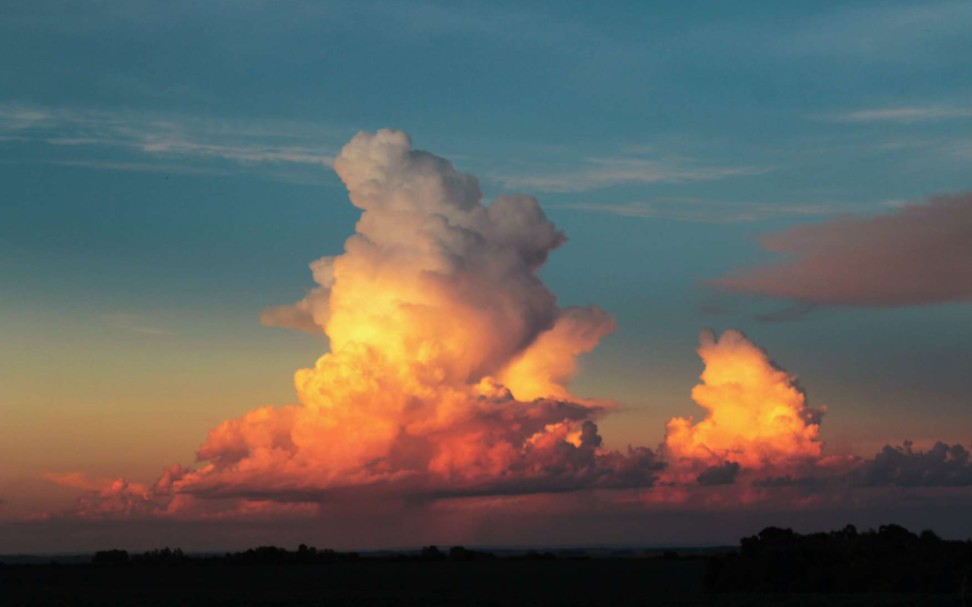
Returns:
(605, 172)
(134, 323)
(183, 143)
(905, 114)
(710, 211)
(899, 32)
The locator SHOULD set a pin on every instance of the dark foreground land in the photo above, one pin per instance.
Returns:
(778, 567)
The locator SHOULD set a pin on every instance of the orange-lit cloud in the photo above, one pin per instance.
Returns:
(447, 376)
(114, 498)
(449, 358)
(120, 498)
(755, 414)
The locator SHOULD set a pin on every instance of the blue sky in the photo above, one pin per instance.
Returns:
(165, 177)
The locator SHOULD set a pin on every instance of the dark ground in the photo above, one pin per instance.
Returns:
(889, 566)
(499, 582)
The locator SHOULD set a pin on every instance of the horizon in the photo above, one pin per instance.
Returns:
(610, 549)
(380, 551)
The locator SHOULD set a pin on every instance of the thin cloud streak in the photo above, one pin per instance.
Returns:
(707, 211)
(905, 114)
(137, 167)
(164, 136)
(909, 32)
(601, 173)
(133, 323)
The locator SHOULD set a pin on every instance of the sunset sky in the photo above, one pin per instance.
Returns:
(758, 218)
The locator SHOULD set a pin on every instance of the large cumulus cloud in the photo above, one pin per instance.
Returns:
(448, 360)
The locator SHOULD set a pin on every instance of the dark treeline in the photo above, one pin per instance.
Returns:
(887, 566)
(890, 559)
(272, 555)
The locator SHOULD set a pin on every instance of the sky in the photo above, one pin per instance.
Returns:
(550, 203)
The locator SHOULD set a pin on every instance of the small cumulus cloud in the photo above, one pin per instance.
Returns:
(756, 414)
(919, 254)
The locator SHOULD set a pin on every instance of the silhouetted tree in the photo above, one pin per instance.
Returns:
(891, 559)
(432, 553)
(534, 555)
(165, 556)
(458, 553)
(110, 557)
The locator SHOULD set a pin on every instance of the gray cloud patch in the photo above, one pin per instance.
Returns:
(723, 474)
(920, 254)
(787, 481)
(941, 466)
